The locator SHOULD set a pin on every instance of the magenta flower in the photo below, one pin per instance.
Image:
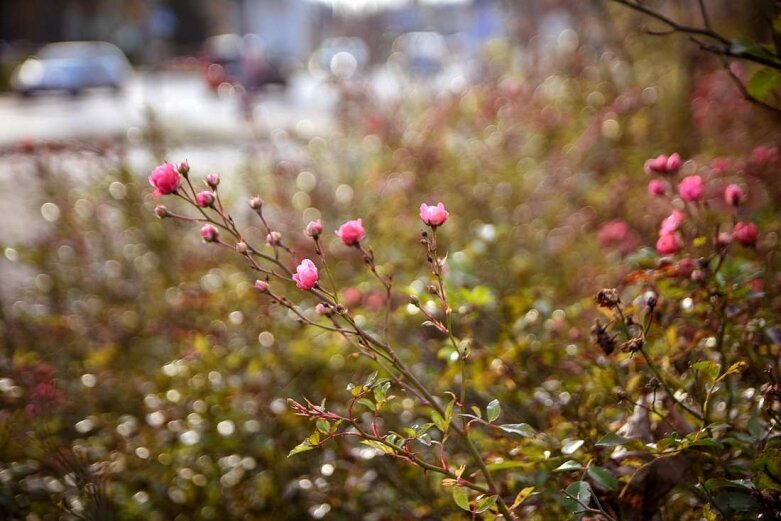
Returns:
(656, 188)
(314, 228)
(165, 179)
(745, 233)
(209, 233)
(204, 199)
(664, 164)
(434, 215)
(306, 275)
(690, 188)
(733, 195)
(351, 232)
(672, 222)
(668, 244)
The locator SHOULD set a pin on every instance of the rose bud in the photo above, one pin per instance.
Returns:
(161, 211)
(656, 188)
(691, 188)
(273, 238)
(209, 233)
(351, 232)
(184, 168)
(724, 238)
(306, 275)
(668, 244)
(433, 215)
(204, 199)
(256, 203)
(323, 309)
(733, 195)
(745, 233)
(314, 228)
(165, 179)
(261, 285)
(241, 247)
(212, 180)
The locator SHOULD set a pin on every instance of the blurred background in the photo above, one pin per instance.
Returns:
(138, 358)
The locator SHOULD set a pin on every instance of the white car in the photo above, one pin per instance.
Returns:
(72, 67)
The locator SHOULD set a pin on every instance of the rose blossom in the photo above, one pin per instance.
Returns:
(165, 179)
(668, 244)
(745, 233)
(306, 275)
(204, 199)
(656, 188)
(672, 222)
(733, 195)
(314, 228)
(434, 215)
(351, 232)
(690, 188)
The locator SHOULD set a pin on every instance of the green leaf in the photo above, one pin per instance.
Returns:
(461, 497)
(493, 410)
(485, 503)
(571, 446)
(580, 490)
(323, 426)
(367, 403)
(377, 445)
(568, 466)
(507, 465)
(603, 478)
(521, 497)
(763, 83)
(708, 367)
(612, 439)
(522, 429)
(301, 447)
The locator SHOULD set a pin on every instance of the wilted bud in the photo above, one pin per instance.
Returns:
(698, 275)
(256, 203)
(261, 285)
(432, 288)
(161, 211)
(602, 338)
(650, 299)
(415, 301)
(212, 180)
(632, 346)
(241, 247)
(273, 238)
(607, 298)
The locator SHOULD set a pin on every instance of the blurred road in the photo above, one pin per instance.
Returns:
(180, 100)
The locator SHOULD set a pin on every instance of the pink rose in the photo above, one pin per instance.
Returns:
(672, 222)
(165, 179)
(733, 195)
(306, 275)
(314, 228)
(434, 215)
(745, 233)
(351, 232)
(209, 233)
(656, 188)
(204, 199)
(690, 188)
(668, 244)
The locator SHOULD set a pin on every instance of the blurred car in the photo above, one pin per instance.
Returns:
(72, 67)
(342, 57)
(241, 60)
(422, 53)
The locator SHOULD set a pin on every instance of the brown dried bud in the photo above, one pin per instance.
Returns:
(414, 300)
(632, 346)
(607, 298)
(602, 338)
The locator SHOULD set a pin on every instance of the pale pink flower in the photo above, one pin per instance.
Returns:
(733, 195)
(165, 179)
(672, 222)
(351, 232)
(690, 188)
(306, 275)
(314, 228)
(434, 215)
